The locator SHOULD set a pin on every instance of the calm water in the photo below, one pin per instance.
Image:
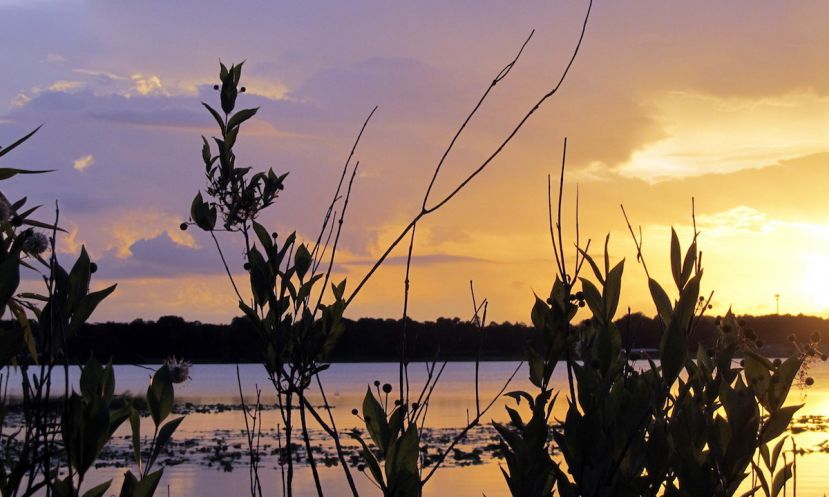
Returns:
(345, 386)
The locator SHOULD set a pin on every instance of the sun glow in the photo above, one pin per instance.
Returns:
(814, 283)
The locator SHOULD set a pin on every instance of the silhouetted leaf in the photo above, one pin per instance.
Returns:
(99, 490)
(4, 151)
(676, 268)
(240, 117)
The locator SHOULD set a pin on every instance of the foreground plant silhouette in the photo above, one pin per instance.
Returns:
(689, 426)
(60, 437)
(288, 282)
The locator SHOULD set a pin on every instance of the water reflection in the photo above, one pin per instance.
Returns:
(219, 425)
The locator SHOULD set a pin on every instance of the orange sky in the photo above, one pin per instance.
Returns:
(728, 103)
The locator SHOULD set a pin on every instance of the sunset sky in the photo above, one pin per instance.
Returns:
(727, 102)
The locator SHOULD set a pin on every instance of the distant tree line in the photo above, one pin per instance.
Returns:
(373, 339)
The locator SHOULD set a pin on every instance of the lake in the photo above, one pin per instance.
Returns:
(208, 457)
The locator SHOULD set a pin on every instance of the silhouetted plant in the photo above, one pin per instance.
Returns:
(66, 432)
(689, 426)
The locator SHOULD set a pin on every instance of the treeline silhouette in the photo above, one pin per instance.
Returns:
(372, 339)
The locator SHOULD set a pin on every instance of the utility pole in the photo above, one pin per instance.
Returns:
(777, 302)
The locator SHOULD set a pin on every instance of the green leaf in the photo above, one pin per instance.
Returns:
(375, 419)
(402, 456)
(160, 395)
(98, 490)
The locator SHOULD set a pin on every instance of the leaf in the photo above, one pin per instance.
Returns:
(371, 462)
(661, 300)
(164, 435)
(375, 419)
(613, 289)
(757, 375)
(593, 298)
(8, 172)
(135, 427)
(402, 456)
(520, 394)
(688, 300)
(780, 386)
(147, 485)
(240, 117)
(217, 117)
(538, 315)
(79, 277)
(673, 351)
(87, 306)
(98, 490)
(536, 365)
(262, 279)
(302, 260)
(676, 269)
(777, 423)
(264, 238)
(160, 395)
(596, 270)
(688, 264)
(305, 288)
(203, 214)
(780, 479)
(763, 483)
(4, 151)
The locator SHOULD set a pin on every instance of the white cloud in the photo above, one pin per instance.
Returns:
(82, 163)
(707, 134)
(148, 84)
(20, 100)
(65, 86)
